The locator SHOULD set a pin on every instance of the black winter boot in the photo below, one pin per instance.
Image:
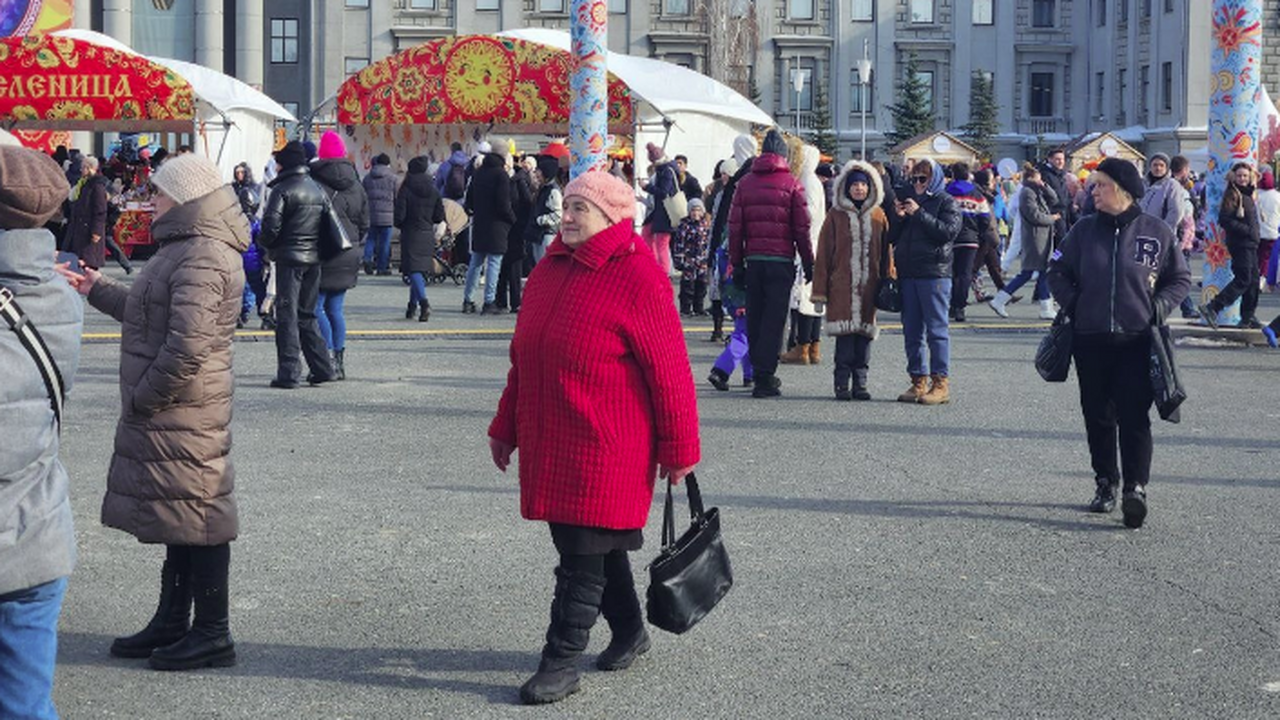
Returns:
(766, 386)
(339, 365)
(209, 643)
(1134, 506)
(621, 609)
(410, 308)
(424, 312)
(173, 615)
(717, 320)
(1104, 500)
(719, 380)
(574, 610)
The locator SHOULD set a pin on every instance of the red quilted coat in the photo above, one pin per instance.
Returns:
(600, 389)
(769, 214)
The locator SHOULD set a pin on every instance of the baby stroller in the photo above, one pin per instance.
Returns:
(447, 263)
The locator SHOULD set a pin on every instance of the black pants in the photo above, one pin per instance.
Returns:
(117, 254)
(768, 299)
(961, 275)
(509, 285)
(1244, 266)
(693, 295)
(1115, 392)
(989, 256)
(297, 288)
(853, 359)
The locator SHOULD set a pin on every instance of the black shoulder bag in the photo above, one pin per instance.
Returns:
(1053, 357)
(30, 338)
(691, 574)
(333, 235)
(888, 292)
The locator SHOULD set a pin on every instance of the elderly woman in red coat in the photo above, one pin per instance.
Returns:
(599, 401)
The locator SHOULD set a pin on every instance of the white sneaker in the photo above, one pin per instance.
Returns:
(998, 302)
(1047, 312)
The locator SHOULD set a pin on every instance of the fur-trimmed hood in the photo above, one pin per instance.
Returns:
(874, 197)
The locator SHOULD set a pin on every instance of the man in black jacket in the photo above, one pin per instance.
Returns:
(1054, 174)
(922, 230)
(489, 201)
(291, 227)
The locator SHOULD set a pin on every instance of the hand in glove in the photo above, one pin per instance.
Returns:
(819, 307)
(807, 269)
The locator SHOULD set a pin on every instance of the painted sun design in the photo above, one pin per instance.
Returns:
(1230, 31)
(478, 76)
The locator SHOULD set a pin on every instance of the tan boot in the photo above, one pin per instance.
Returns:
(939, 393)
(919, 386)
(798, 355)
(815, 357)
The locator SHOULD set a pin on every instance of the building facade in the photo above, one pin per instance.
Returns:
(1060, 67)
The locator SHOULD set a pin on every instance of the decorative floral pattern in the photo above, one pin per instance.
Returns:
(588, 124)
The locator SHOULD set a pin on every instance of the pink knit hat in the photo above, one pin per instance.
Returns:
(331, 146)
(655, 152)
(611, 195)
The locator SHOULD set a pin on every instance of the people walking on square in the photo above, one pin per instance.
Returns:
(1180, 169)
(171, 479)
(1241, 228)
(1164, 198)
(380, 186)
(989, 241)
(490, 204)
(768, 228)
(1054, 175)
(659, 225)
(806, 319)
(249, 194)
(87, 222)
(337, 176)
(419, 209)
(454, 174)
(38, 552)
(1036, 223)
(599, 400)
(689, 255)
(736, 168)
(511, 275)
(291, 226)
(846, 272)
(976, 223)
(725, 170)
(689, 184)
(1268, 200)
(1117, 273)
(736, 353)
(545, 220)
(922, 230)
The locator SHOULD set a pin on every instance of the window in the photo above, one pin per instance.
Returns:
(1124, 10)
(618, 7)
(1168, 6)
(675, 7)
(863, 10)
(284, 40)
(1144, 91)
(805, 99)
(353, 65)
(357, 3)
(1122, 85)
(1099, 94)
(1166, 87)
(921, 11)
(1100, 12)
(1146, 8)
(984, 12)
(863, 94)
(551, 6)
(488, 5)
(926, 76)
(1041, 98)
(800, 9)
(422, 4)
(1042, 13)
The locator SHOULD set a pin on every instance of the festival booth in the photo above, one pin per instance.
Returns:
(471, 88)
(1092, 148)
(940, 146)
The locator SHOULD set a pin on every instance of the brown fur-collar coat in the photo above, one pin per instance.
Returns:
(847, 268)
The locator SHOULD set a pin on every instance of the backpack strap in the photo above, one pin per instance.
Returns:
(30, 338)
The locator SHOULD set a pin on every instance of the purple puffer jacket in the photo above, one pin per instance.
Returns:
(769, 215)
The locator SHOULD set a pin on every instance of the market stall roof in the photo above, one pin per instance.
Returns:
(472, 79)
(63, 83)
(222, 92)
(669, 88)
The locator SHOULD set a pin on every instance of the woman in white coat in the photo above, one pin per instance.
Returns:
(805, 317)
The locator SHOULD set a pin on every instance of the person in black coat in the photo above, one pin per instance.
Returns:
(291, 236)
(1241, 225)
(418, 210)
(1054, 174)
(337, 175)
(489, 202)
(509, 280)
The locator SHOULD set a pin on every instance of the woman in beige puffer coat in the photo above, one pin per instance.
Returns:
(171, 479)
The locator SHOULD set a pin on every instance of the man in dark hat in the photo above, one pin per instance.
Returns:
(291, 227)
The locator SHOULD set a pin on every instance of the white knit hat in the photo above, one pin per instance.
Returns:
(187, 177)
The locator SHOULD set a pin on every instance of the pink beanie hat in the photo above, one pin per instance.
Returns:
(611, 195)
(655, 152)
(331, 146)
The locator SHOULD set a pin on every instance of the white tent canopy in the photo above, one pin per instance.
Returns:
(235, 122)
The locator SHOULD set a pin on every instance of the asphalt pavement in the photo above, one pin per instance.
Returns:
(890, 560)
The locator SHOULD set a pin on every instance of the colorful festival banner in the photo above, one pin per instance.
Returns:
(1234, 121)
(521, 86)
(588, 120)
(56, 83)
(34, 17)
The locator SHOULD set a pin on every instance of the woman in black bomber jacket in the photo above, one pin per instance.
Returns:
(1239, 220)
(1117, 273)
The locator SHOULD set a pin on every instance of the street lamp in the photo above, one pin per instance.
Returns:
(864, 81)
(797, 82)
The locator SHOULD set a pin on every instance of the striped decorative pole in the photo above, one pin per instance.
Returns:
(1236, 67)
(589, 87)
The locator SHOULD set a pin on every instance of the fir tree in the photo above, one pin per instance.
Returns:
(983, 123)
(913, 113)
(822, 135)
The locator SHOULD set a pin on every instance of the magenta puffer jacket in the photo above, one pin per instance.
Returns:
(769, 215)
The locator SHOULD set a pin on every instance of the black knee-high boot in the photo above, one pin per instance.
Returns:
(621, 609)
(172, 619)
(574, 609)
(717, 318)
(209, 642)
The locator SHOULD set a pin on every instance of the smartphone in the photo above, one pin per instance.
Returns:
(903, 191)
(72, 260)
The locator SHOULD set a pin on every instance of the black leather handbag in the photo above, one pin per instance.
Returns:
(691, 574)
(333, 234)
(1053, 357)
(1166, 381)
(888, 291)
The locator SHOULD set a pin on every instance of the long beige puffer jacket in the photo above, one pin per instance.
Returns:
(171, 480)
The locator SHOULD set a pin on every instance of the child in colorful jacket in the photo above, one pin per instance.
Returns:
(689, 256)
(735, 352)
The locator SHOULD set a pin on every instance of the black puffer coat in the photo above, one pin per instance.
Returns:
(522, 205)
(380, 186)
(418, 209)
(338, 177)
(923, 242)
(489, 200)
(291, 223)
